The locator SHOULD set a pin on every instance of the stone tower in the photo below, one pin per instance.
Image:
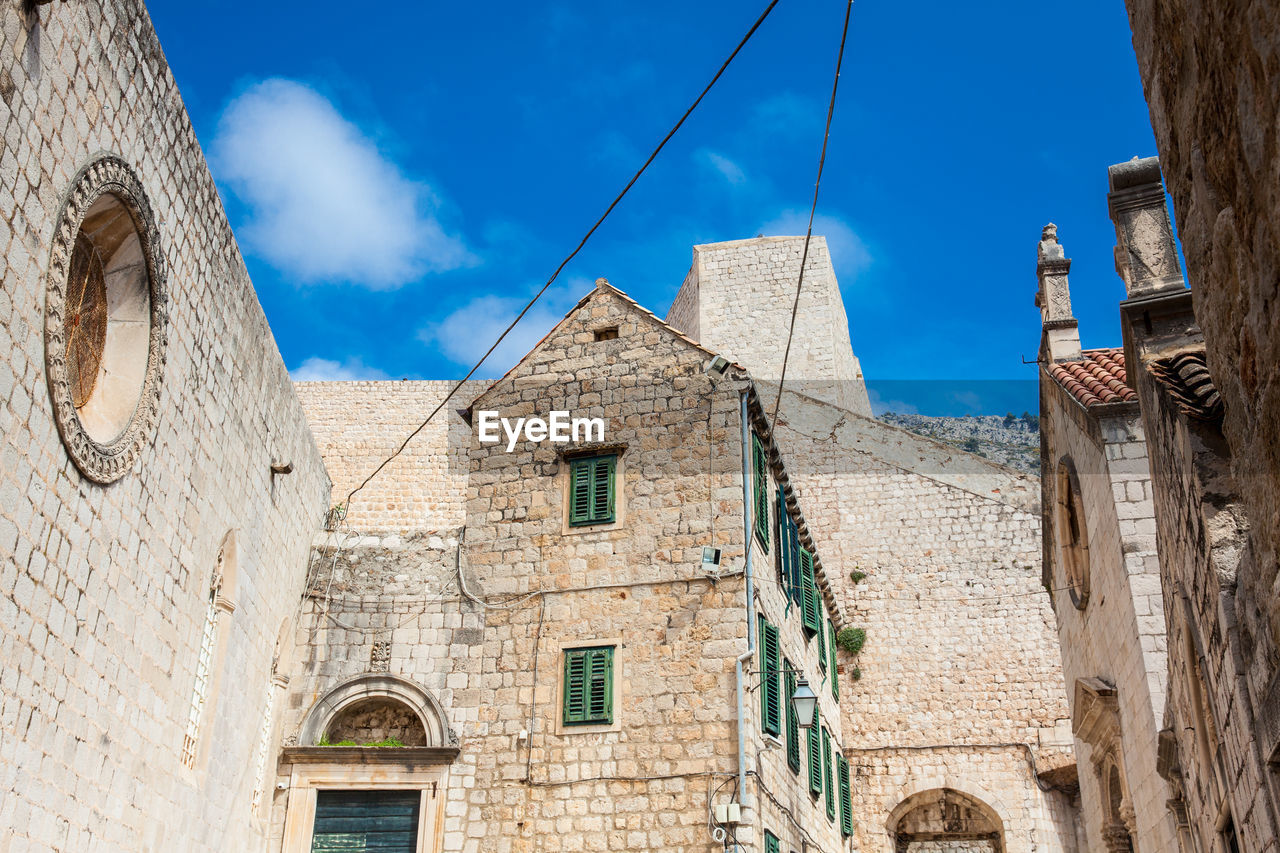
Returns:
(737, 299)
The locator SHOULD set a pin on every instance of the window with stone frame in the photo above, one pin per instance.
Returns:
(588, 686)
(593, 489)
(760, 496)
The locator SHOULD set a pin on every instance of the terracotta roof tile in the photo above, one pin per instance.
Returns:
(1096, 379)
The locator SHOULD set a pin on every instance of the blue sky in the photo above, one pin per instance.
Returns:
(401, 176)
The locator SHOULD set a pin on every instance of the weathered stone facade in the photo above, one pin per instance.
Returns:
(1221, 652)
(1102, 573)
(1210, 73)
(105, 590)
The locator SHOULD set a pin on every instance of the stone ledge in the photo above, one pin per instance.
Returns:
(408, 756)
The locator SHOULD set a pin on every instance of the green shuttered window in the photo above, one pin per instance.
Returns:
(793, 726)
(788, 550)
(771, 842)
(810, 599)
(588, 686)
(846, 796)
(828, 775)
(815, 756)
(761, 492)
(770, 690)
(382, 821)
(593, 481)
(822, 637)
(831, 650)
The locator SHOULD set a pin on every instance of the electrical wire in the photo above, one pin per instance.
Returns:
(813, 209)
(741, 44)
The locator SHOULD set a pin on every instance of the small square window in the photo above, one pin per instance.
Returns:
(609, 334)
(592, 489)
(588, 686)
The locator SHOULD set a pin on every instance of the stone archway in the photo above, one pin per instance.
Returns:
(386, 696)
(945, 820)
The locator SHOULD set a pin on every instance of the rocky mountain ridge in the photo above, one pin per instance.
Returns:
(1010, 440)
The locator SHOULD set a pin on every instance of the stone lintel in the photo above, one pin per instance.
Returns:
(409, 757)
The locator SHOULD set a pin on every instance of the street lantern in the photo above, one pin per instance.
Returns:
(804, 701)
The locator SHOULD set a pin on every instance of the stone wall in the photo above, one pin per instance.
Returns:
(479, 616)
(961, 671)
(736, 300)
(104, 590)
(1202, 530)
(1119, 636)
(1210, 75)
(358, 425)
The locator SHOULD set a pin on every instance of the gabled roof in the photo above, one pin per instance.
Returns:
(602, 286)
(1096, 379)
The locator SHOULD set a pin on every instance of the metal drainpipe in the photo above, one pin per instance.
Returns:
(747, 509)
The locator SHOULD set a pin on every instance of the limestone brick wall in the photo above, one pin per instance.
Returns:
(961, 665)
(357, 425)
(1120, 636)
(104, 589)
(1202, 533)
(645, 783)
(737, 299)
(1209, 72)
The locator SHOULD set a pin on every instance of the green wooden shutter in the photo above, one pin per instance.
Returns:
(835, 673)
(822, 637)
(793, 547)
(591, 490)
(588, 686)
(815, 756)
(761, 496)
(770, 698)
(846, 797)
(793, 726)
(770, 842)
(809, 596)
(382, 821)
(828, 777)
(784, 551)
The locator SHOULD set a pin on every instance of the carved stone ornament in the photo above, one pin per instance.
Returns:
(105, 318)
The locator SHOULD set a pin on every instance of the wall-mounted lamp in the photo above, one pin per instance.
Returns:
(717, 367)
(804, 701)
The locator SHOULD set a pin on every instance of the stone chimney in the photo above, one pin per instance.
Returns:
(1060, 339)
(1146, 255)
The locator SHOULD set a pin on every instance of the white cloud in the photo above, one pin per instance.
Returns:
(849, 255)
(728, 169)
(317, 369)
(466, 333)
(324, 203)
(880, 405)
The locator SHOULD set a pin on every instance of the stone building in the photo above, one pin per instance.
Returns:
(159, 489)
(220, 634)
(1209, 72)
(1102, 572)
(1171, 685)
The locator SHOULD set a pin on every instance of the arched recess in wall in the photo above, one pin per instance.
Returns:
(382, 695)
(1070, 531)
(931, 819)
(219, 604)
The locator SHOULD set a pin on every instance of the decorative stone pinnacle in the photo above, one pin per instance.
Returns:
(1053, 298)
(1146, 255)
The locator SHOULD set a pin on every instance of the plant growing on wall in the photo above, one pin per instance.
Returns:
(851, 639)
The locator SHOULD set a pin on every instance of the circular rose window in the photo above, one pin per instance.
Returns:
(104, 320)
(1071, 533)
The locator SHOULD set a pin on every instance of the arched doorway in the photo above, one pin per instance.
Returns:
(944, 820)
(370, 770)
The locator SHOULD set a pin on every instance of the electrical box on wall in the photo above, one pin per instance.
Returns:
(728, 813)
